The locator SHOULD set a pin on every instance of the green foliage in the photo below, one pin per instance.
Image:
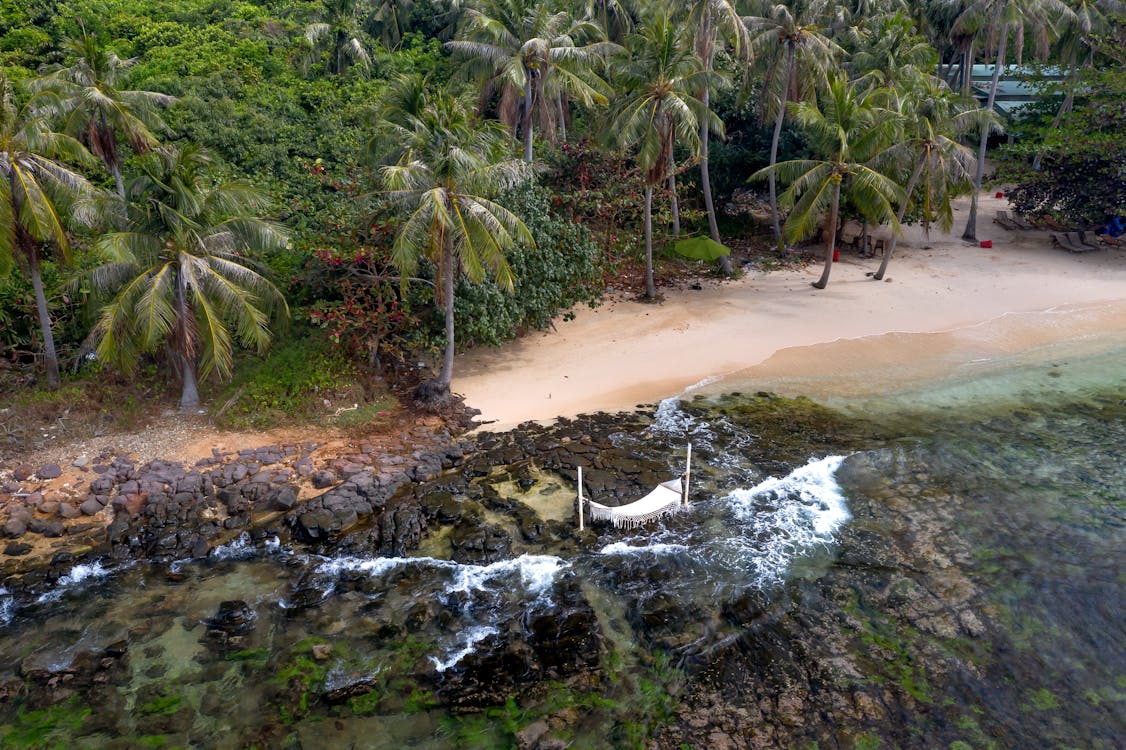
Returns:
(254, 657)
(291, 382)
(1083, 160)
(45, 729)
(561, 271)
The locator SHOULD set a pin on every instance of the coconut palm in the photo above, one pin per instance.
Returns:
(445, 182)
(181, 277)
(891, 52)
(536, 54)
(659, 108)
(1002, 19)
(39, 191)
(95, 108)
(1087, 19)
(789, 39)
(932, 120)
(847, 128)
(339, 32)
(713, 22)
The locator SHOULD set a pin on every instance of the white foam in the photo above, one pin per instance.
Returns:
(657, 548)
(787, 517)
(77, 575)
(471, 637)
(7, 606)
(243, 547)
(536, 573)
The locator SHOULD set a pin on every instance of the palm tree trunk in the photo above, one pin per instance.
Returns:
(650, 287)
(446, 375)
(774, 223)
(674, 204)
(562, 116)
(189, 394)
(185, 354)
(705, 138)
(879, 275)
(50, 357)
(834, 216)
(528, 116)
(120, 183)
(970, 235)
(968, 69)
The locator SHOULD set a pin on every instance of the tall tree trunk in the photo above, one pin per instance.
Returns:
(650, 287)
(562, 116)
(708, 55)
(120, 183)
(189, 394)
(970, 235)
(446, 375)
(674, 204)
(185, 353)
(834, 216)
(528, 116)
(968, 70)
(890, 248)
(774, 223)
(50, 357)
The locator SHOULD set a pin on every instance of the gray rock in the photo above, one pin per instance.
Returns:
(91, 507)
(66, 510)
(49, 471)
(284, 498)
(80, 462)
(14, 527)
(15, 549)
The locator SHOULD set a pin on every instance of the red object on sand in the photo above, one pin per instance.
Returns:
(836, 254)
(999, 195)
(987, 243)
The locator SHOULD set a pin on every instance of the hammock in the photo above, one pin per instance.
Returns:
(665, 498)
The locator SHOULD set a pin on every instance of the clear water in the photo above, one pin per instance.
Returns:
(999, 624)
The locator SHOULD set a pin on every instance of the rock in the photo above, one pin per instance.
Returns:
(234, 617)
(23, 472)
(14, 528)
(529, 737)
(91, 507)
(284, 498)
(321, 651)
(323, 479)
(16, 549)
(80, 462)
(49, 471)
(66, 510)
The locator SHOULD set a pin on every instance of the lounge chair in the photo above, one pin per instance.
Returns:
(1005, 220)
(1065, 242)
(1078, 240)
(1021, 222)
(851, 232)
(1091, 239)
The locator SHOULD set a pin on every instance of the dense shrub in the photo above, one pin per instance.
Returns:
(561, 271)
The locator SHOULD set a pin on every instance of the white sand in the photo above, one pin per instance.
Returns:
(1021, 294)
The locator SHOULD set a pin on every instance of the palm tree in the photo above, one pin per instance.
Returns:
(849, 129)
(340, 31)
(445, 181)
(796, 50)
(713, 21)
(389, 22)
(1002, 19)
(96, 110)
(659, 108)
(536, 55)
(180, 275)
(892, 52)
(1087, 19)
(932, 121)
(38, 192)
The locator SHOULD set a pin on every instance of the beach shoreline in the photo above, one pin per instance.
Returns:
(944, 303)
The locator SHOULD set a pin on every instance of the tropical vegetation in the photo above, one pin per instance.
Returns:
(406, 179)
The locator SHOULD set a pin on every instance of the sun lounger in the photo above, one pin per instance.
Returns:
(1078, 240)
(1065, 242)
(1091, 239)
(1005, 220)
(1021, 222)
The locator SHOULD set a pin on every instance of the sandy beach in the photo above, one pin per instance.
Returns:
(944, 303)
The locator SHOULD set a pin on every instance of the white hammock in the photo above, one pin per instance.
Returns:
(665, 498)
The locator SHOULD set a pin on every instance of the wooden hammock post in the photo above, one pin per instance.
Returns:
(687, 475)
(580, 498)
